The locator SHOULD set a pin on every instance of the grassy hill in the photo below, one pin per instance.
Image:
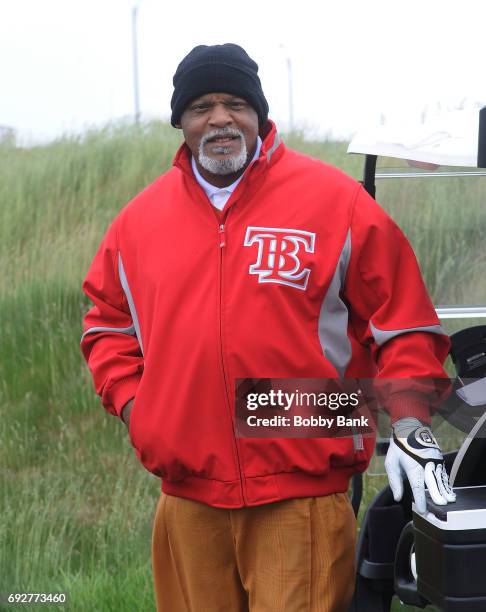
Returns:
(76, 506)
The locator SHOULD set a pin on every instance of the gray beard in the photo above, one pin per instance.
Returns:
(229, 165)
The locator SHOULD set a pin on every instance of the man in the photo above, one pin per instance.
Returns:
(247, 259)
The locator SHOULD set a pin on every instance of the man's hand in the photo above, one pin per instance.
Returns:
(126, 412)
(414, 452)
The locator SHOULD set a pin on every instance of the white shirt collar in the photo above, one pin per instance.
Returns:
(210, 189)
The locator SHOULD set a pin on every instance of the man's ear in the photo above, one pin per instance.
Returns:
(178, 126)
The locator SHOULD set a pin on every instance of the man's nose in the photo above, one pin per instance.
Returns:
(220, 116)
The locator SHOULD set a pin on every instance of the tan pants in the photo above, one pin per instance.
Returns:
(296, 555)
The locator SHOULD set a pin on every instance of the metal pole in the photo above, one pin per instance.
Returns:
(290, 91)
(135, 64)
(291, 94)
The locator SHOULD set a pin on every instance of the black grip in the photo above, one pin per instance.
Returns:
(482, 139)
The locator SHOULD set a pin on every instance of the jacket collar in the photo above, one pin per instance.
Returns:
(271, 150)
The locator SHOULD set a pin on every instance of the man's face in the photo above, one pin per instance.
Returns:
(221, 131)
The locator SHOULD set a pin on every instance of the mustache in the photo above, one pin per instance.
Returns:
(221, 133)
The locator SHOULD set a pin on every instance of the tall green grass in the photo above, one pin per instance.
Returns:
(76, 506)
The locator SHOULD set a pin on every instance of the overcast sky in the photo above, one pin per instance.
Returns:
(67, 64)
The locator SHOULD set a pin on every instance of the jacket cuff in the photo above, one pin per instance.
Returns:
(401, 405)
(122, 391)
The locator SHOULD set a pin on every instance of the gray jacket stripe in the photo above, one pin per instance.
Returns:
(131, 303)
(333, 316)
(130, 331)
(381, 336)
(276, 142)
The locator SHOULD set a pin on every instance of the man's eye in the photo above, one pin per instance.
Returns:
(199, 107)
(237, 104)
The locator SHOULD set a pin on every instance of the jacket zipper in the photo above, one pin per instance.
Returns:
(222, 238)
(222, 244)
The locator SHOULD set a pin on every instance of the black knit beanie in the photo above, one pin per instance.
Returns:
(218, 68)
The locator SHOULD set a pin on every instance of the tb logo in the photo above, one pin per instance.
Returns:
(278, 255)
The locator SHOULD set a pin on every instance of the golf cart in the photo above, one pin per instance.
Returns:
(437, 559)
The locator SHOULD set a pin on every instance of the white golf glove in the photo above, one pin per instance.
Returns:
(414, 452)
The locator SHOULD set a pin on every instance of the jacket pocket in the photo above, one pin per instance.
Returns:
(316, 456)
(131, 427)
(343, 451)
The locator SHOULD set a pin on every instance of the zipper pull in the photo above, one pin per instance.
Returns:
(222, 238)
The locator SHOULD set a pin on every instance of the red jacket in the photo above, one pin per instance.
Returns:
(303, 276)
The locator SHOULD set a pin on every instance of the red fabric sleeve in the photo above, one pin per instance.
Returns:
(114, 357)
(390, 310)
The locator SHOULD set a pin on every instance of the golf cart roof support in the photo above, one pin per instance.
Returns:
(460, 312)
(369, 174)
(421, 175)
(482, 139)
